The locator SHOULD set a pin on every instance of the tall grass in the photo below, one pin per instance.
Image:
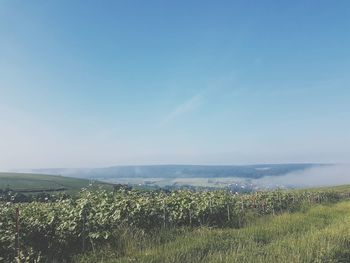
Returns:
(318, 234)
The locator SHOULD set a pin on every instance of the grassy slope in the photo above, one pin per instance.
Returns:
(26, 181)
(339, 188)
(321, 234)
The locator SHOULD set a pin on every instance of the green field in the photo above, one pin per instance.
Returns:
(129, 225)
(26, 182)
(320, 234)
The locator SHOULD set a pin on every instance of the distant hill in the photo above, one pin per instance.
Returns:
(182, 171)
(29, 182)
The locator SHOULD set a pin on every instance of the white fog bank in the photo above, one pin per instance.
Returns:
(329, 175)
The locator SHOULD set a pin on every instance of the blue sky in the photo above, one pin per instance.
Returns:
(96, 83)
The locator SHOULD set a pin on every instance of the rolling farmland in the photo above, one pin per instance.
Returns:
(33, 183)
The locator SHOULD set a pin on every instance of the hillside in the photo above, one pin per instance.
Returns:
(28, 182)
(183, 171)
(235, 177)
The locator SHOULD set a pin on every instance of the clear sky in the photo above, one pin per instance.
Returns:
(97, 83)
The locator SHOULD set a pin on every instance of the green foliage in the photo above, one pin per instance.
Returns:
(62, 228)
(320, 234)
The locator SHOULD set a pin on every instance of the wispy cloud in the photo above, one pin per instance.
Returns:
(213, 88)
(188, 106)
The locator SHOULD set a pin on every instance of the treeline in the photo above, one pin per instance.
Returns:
(13, 196)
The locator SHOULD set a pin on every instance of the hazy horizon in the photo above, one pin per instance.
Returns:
(167, 164)
(96, 84)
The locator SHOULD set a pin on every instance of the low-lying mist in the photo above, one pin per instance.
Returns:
(328, 175)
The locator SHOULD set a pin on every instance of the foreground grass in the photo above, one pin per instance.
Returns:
(319, 234)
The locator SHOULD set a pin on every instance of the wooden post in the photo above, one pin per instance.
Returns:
(228, 212)
(164, 214)
(83, 231)
(17, 233)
